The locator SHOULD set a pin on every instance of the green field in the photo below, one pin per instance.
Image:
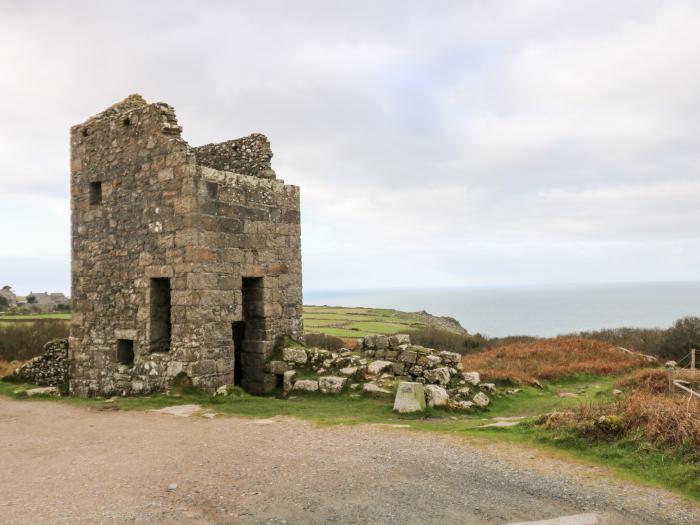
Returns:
(335, 321)
(359, 322)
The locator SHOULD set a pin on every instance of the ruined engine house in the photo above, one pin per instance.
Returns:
(186, 261)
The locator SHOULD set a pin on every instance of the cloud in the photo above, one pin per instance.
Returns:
(456, 143)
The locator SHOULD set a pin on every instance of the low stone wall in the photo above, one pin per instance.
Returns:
(377, 366)
(48, 369)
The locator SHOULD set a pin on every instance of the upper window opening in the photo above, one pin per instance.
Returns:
(95, 192)
(127, 121)
(212, 190)
(86, 132)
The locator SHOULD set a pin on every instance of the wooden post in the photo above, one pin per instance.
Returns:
(692, 359)
(670, 381)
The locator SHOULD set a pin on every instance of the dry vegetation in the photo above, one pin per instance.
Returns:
(20, 341)
(670, 422)
(551, 358)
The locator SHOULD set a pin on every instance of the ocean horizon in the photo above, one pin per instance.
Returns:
(536, 310)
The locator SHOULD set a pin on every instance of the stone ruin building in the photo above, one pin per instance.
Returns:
(186, 260)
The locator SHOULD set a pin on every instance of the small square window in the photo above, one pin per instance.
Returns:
(125, 351)
(212, 190)
(95, 192)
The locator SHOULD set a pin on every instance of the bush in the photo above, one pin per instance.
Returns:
(443, 340)
(20, 341)
(672, 343)
(671, 422)
(680, 338)
(649, 380)
(327, 342)
(551, 358)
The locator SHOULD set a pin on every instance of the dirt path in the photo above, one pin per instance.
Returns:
(61, 464)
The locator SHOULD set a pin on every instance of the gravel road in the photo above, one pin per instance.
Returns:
(64, 464)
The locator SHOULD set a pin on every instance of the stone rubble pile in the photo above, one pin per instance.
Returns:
(377, 366)
(50, 368)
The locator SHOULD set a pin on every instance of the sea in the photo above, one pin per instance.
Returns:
(542, 310)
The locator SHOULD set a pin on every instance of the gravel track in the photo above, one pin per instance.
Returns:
(64, 464)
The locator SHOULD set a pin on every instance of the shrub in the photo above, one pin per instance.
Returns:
(649, 380)
(680, 338)
(327, 342)
(671, 343)
(665, 421)
(443, 340)
(20, 341)
(551, 358)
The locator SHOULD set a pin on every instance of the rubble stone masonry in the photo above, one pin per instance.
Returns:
(186, 261)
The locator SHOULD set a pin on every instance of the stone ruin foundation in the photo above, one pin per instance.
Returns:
(378, 366)
(186, 261)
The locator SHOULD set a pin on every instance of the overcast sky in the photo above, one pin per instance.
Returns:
(435, 143)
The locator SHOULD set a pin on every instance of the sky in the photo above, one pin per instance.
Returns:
(436, 144)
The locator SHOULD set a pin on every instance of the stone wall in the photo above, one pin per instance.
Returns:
(143, 208)
(249, 155)
(377, 366)
(48, 369)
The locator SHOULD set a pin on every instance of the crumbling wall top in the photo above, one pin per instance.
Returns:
(249, 155)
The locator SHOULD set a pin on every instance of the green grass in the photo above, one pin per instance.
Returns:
(631, 459)
(30, 317)
(359, 322)
(382, 328)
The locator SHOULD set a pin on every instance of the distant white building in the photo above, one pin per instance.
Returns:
(48, 302)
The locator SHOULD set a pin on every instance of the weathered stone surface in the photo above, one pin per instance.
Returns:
(463, 393)
(382, 342)
(481, 399)
(487, 387)
(410, 397)
(397, 340)
(295, 355)
(305, 385)
(450, 358)
(398, 368)
(349, 371)
(180, 410)
(377, 367)
(278, 367)
(288, 380)
(416, 370)
(472, 378)
(375, 389)
(168, 243)
(438, 375)
(436, 396)
(48, 369)
(331, 384)
(408, 356)
(463, 405)
(43, 391)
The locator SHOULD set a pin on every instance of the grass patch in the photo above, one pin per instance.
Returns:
(30, 317)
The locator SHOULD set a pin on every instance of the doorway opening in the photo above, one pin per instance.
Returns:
(238, 337)
(160, 315)
(250, 328)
